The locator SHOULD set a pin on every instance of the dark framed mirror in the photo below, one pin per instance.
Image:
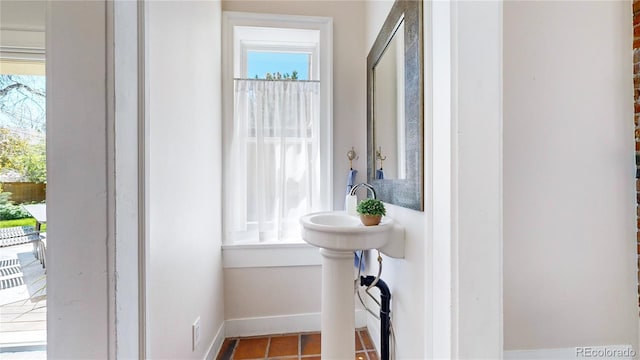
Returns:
(395, 108)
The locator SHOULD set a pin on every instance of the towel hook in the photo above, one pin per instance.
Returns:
(351, 155)
(379, 156)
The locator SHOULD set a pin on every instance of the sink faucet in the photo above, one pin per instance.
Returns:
(369, 187)
(351, 200)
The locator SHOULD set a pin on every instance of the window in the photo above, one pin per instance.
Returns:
(277, 125)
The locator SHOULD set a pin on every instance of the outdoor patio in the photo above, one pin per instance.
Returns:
(23, 311)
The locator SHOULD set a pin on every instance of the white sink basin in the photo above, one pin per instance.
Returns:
(337, 230)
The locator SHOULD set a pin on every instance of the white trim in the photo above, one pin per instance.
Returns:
(250, 38)
(24, 28)
(270, 255)
(439, 142)
(216, 344)
(144, 249)
(476, 185)
(22, 53)
(125, 205)
(22, 39)
(572, 353)
(77, 179)
(283, 324)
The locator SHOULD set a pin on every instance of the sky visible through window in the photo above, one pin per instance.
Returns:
(22, 103)
(259, 63)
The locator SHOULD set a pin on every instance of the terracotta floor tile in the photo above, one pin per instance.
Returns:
(310, 344)
(288, 346)
(283, 345)
(366, 340)
(226, 350)
(358, 343)
(251, 348)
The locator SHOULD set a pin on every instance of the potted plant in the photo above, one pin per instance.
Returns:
(371, 211)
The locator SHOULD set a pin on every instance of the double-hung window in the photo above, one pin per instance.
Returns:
(277, 125)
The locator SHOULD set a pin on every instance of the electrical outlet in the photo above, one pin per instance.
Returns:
(195, 333)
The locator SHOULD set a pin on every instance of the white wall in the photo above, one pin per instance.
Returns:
(569, 199)
(184, 262)
(252, 293)
(77, 297)
(349, 129)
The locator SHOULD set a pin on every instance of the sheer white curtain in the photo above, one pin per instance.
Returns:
(272, 175)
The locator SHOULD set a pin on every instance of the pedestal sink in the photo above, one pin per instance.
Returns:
(338, 234)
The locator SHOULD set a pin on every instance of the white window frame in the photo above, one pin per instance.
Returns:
(279, 254)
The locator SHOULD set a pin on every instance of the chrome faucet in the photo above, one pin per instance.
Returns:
(369, 187)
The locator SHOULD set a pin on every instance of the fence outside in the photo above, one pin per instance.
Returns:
(25, 192)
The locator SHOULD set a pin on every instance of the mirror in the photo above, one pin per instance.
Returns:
(388, 121)
(395, 108)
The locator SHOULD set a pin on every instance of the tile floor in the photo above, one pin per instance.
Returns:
(303, 346)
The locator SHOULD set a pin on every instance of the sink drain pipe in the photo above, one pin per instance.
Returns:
(385, 312)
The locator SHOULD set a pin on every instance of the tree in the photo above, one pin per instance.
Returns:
(23, 102)
(278, 76)
(12, 149)
(24, 155)
(22, 124)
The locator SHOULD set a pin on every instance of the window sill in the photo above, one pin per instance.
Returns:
(270, 255)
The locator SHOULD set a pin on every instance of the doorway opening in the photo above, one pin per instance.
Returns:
(23, 179)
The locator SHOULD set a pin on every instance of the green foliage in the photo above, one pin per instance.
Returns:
(371, 207)
(10, 211)
(4, 197)
(26, 157)
(12, 148)
(278, 76)
(34, 164)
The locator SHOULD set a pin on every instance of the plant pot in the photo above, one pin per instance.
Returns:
(370, 220)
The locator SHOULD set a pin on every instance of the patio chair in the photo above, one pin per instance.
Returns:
(18, 235)
(16, 231)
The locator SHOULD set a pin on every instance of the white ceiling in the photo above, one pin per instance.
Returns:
(22, 14)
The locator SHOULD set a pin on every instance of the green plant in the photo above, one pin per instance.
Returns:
(371, 207)
(10, 211)
(4, 197)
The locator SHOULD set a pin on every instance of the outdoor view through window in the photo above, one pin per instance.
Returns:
(23, 178)
(292, 65)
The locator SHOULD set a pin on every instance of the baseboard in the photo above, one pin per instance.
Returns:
(606, 352)
(281, 324)
(216, 344)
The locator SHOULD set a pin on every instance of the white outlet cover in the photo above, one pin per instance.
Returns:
(195, 333)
